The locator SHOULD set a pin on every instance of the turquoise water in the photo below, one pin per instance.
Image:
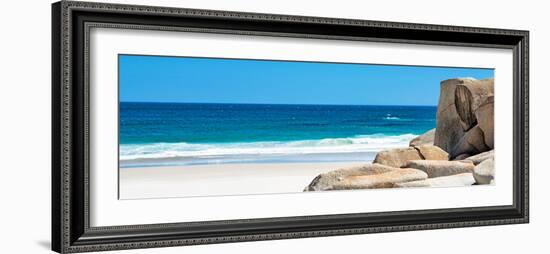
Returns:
(153, 134)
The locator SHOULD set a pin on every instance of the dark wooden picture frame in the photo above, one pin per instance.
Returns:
(71, 231)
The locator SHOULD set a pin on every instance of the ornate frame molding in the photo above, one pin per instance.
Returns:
(71, 22)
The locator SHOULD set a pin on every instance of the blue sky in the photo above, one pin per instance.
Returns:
(215, 80)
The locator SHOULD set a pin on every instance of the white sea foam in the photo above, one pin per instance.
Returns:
(363, 143)
(392, 118)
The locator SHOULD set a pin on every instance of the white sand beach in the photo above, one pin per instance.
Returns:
(221, 179)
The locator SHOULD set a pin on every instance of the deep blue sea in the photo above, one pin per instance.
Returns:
(153, 134)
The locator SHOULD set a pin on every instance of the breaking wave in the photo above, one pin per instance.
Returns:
(361, 143)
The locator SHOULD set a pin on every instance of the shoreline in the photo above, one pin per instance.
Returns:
(221, 179)
(262, 159)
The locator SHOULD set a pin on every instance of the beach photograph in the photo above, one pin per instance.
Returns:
(197, 126)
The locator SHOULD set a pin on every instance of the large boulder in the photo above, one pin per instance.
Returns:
(459, 101)
(485, 116)
(448, 129)
(473, 142)
(383, 180)
(468, 97)
(461, 157)
(397, 157)
(484, 173)
(459, 180)
(328, 180)
(435, 168)
(431, 152)
(478, 158)
(424, 139)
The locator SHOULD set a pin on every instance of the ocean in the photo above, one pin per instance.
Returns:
(167, 134)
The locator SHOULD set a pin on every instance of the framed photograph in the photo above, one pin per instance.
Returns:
(182, 126)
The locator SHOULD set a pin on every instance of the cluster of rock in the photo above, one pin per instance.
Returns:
(458, 152)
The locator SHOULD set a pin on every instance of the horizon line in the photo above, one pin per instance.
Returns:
(252, 103)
